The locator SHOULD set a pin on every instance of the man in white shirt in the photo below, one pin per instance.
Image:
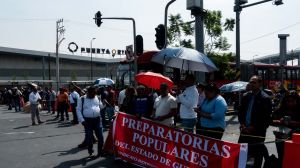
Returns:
(73, 97)
(88, 112)
(189, 101)
(34, 99)
(165, 107)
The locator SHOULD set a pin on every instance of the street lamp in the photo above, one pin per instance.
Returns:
(92, 58)
(57, 63)
(239, 5)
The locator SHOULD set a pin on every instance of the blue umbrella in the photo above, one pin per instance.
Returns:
(234, 87)
(185, 59)
(104, 82)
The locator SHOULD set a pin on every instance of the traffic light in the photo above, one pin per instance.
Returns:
(241, 2)
(139, 45)
(98, 18)
(278, 2)
(160, 36)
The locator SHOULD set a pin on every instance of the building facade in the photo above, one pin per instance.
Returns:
(20, 64)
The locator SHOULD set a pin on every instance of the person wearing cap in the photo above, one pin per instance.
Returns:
(165, 107)
(88, 112)
(189, 101)
(35, 99)
(212, 113)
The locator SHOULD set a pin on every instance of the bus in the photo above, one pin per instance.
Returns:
(274, 76)
(125, 71)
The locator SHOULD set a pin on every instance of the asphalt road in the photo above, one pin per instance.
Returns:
(54, 144)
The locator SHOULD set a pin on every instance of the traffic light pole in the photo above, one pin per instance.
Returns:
(134, 42)
(166, 22)
(238, 9)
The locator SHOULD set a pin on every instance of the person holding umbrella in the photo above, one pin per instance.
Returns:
(189, 101)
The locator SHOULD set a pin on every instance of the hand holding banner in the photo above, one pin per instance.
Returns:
(148, 144)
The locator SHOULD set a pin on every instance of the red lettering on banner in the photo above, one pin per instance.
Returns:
(149, 144)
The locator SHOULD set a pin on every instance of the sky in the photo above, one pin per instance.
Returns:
(31, 24)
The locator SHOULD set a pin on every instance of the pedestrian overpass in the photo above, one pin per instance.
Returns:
(275, 58)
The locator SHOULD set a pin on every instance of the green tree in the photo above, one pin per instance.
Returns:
(180, 33)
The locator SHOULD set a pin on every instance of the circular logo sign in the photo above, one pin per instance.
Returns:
(73, 47)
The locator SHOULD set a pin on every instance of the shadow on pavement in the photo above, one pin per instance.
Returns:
(61, 125)
(103, 162)
(25, 126)
(10, 112)
(68, 152)
(72, 163)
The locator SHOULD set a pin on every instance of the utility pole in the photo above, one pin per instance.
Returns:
(282, 51)
(43, 64)
(92, 58)
(238, 7)
(197, 10)
(49, 67)
(60, 30)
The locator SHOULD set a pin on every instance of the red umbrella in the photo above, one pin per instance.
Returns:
(153, 80)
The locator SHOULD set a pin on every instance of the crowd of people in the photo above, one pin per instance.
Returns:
(199, 108)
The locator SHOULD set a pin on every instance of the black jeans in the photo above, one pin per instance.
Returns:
(256, 148)
(93, 124)
(75, 118)
(102, 112)
(53, 106)
(215, 133)
(17, 104)
(61, 109)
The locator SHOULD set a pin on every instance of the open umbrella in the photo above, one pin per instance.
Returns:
(104, 82)
(234, 87)
(184, 58)
(153, 80)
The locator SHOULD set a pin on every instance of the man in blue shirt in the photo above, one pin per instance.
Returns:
(255, 117)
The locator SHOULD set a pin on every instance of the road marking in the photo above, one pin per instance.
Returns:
(13, 133)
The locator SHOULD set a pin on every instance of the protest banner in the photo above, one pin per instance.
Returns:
(149, 144)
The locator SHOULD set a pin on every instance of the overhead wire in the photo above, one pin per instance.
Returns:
(69, 21)
(270, 33)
